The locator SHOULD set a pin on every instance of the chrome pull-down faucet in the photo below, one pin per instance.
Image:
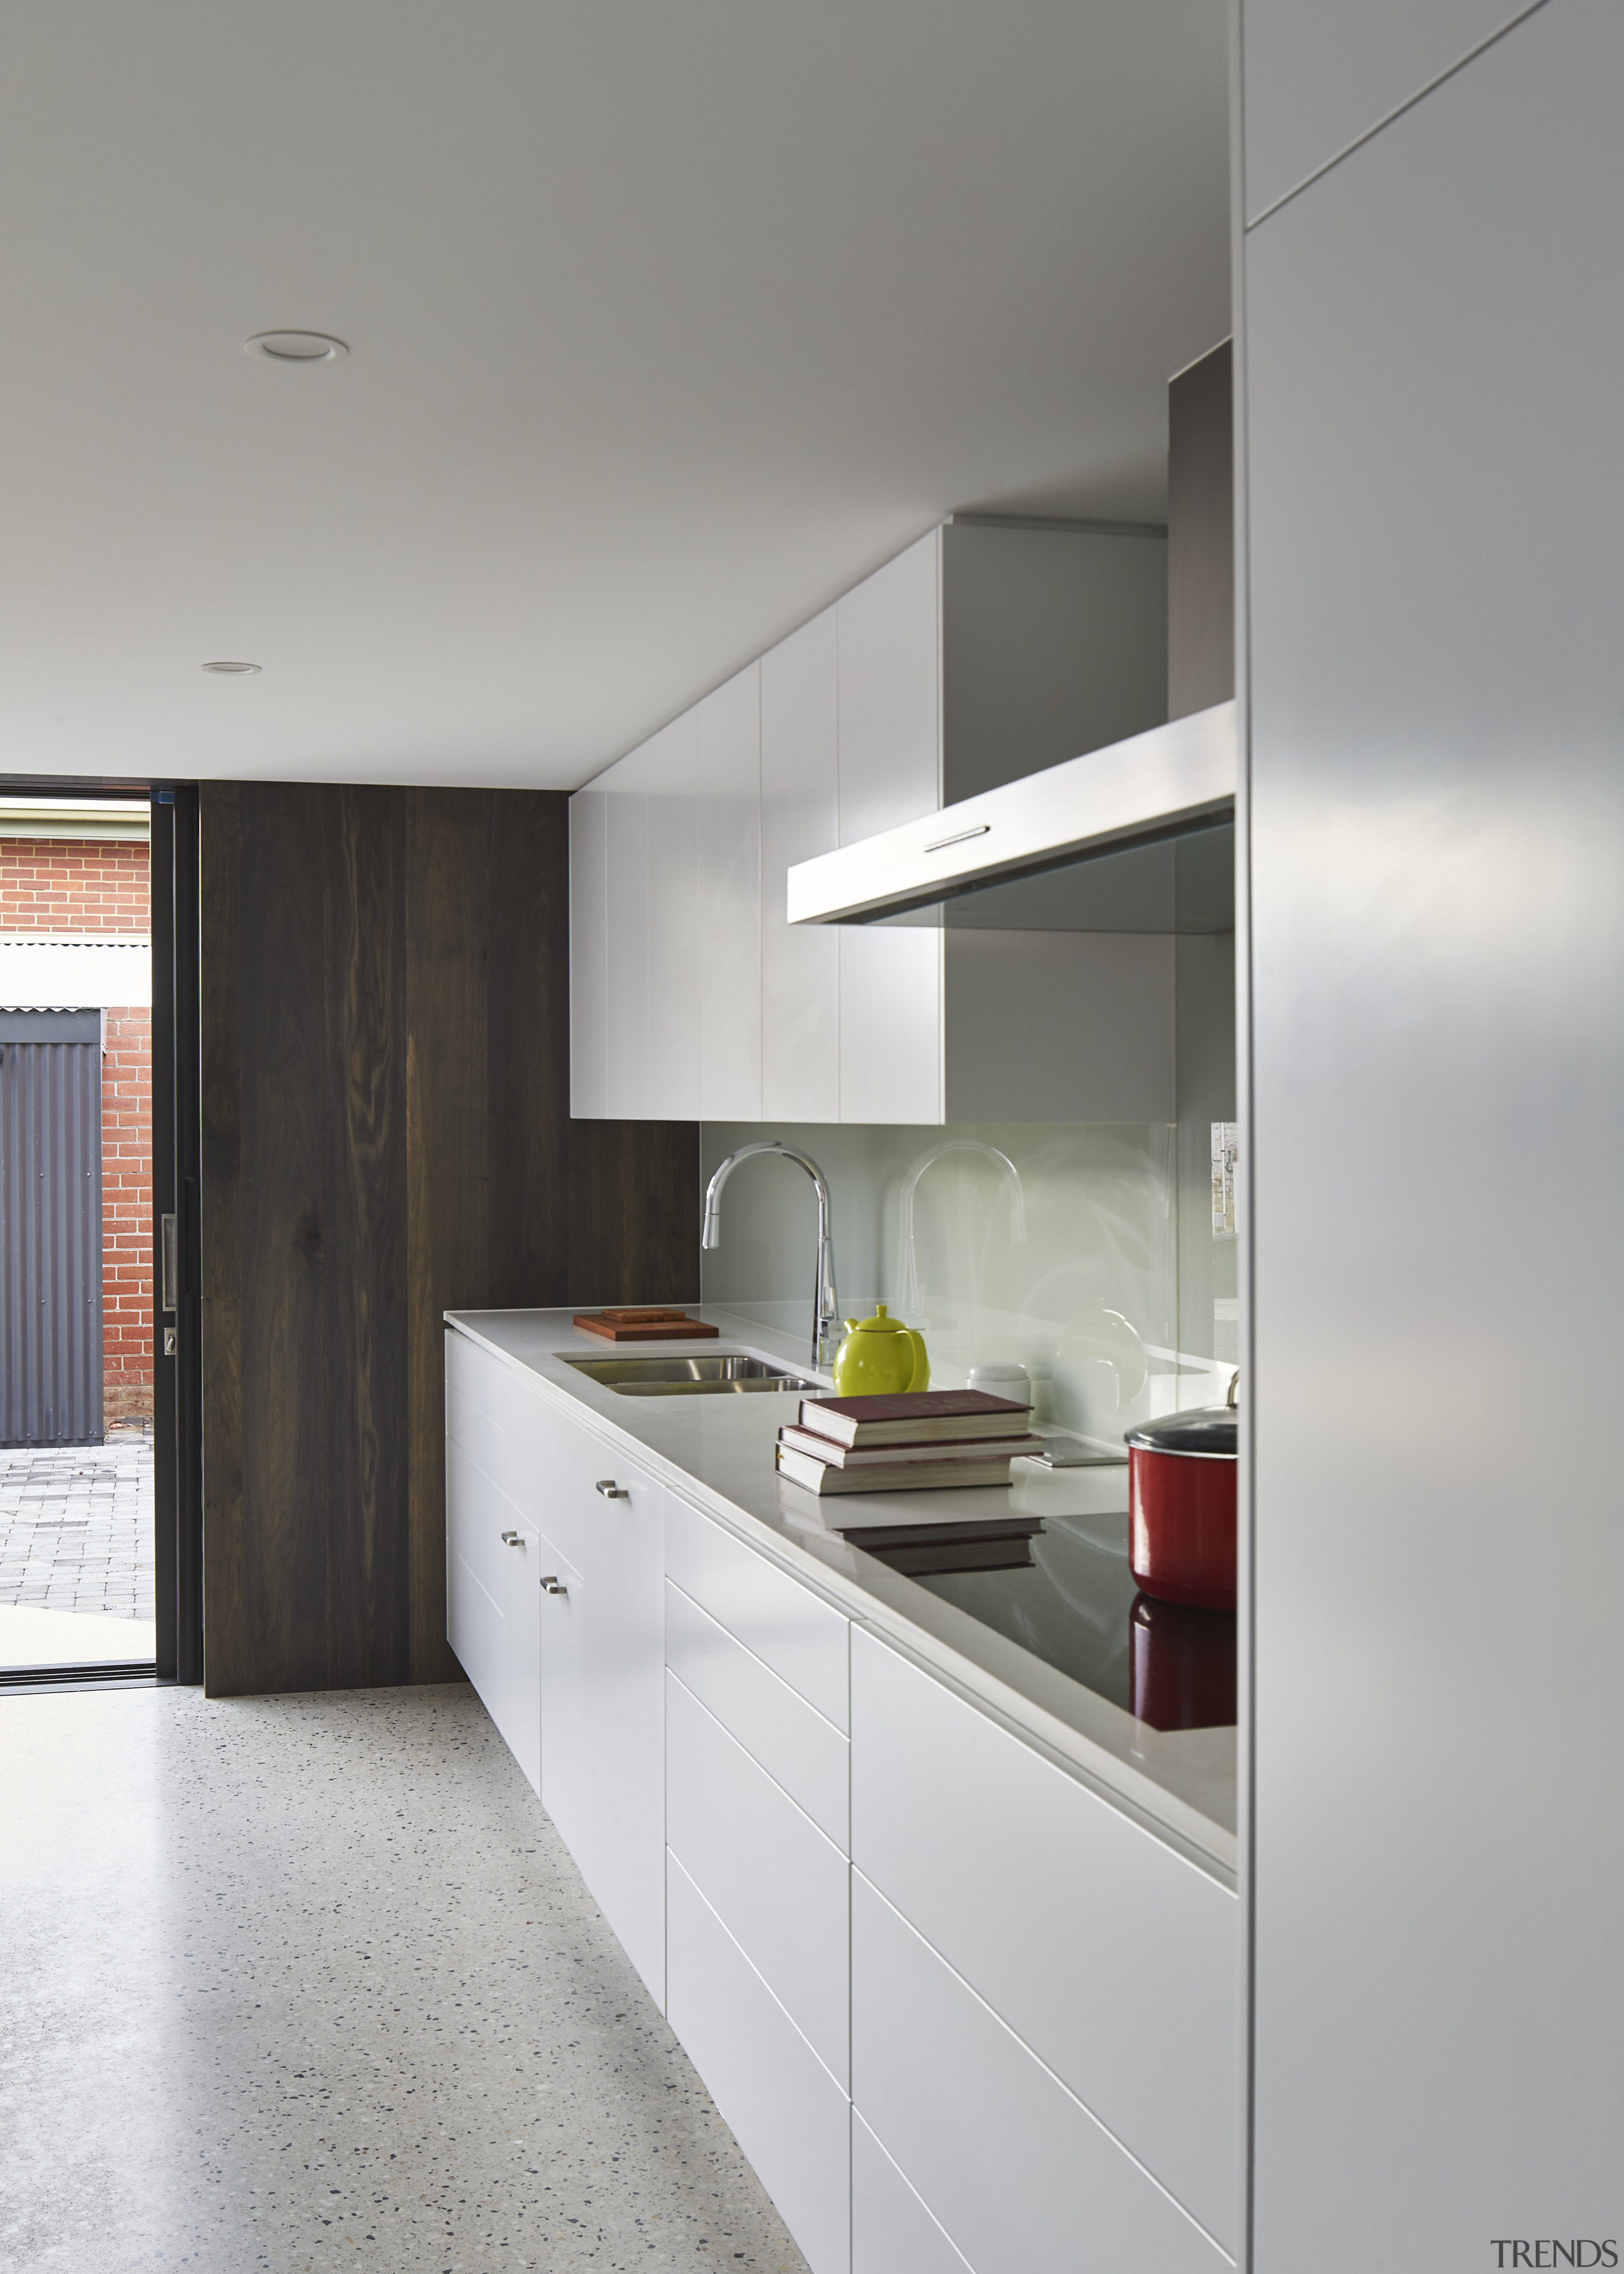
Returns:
(825, 1301)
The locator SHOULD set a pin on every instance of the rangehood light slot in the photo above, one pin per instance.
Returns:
(959, 837)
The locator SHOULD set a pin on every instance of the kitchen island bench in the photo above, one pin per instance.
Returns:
(950, 1937)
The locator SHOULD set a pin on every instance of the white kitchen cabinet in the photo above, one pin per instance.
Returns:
(1437, 840)
(787, 1625)
(492, 1611)
(777, 1883)
(891, 771)
(728, 724)
(566, 1722)
(588, 956)
(980, 653)
(799, 1751)
(1014, 2169)
(800, 818)
(619, 1840)
(1124, 1949)
(668, 765)
(891, 2230)
(788, 2114)
(1319, 76)
(625, 954)
(958, 2009)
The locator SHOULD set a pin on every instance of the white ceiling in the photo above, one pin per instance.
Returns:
(668, 319)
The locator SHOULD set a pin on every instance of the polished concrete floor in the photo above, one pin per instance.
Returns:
(297, 1984)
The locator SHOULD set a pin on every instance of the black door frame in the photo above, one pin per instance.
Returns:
(178, 1308)
(177, 1110)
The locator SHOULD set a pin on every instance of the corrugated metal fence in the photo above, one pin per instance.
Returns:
(50, 1227)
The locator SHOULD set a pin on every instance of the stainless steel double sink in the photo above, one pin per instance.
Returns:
(717, 1373)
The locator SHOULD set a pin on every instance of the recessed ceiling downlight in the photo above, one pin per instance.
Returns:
(297, 347)
(231, 670)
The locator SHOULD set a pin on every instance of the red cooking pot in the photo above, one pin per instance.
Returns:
(1181, 1506)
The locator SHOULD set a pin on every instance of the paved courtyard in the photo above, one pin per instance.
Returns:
(76, 1528)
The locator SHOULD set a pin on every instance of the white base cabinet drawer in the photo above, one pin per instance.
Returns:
(799, 1751)
(474, 1630)
(774, 1882)
(786, 2111)
(1121, 1970)
(891, 2230)
(803, 1639)
(1015, 2171)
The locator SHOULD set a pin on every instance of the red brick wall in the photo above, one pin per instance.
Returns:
(127, 1218)
(69, 885)
(50, 884)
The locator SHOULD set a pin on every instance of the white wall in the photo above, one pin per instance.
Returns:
(1432, 338)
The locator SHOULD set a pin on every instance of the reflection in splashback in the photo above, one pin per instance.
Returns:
(1057, 1246)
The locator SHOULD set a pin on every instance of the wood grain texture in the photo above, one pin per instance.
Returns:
(387, 1137)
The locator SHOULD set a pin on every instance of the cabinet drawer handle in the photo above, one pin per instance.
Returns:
(611, 1490)
(513, 1539)
(554, 1586)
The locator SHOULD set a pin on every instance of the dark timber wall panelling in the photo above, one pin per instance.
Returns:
(387, 1135)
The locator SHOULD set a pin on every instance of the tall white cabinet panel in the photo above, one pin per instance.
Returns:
(1318, 75)
(788, 2114)
(730, 944)
(1437, 810)
(588, 952)
(800, 818)
(1124, 1949)
(626, 950)
(669, 767)
(1016, 2172)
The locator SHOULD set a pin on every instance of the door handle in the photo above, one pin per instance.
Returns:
(513, 1539)
(554, 1586)
(171, 1263)
(611, 1490)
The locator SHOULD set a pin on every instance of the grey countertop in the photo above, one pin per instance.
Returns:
(718, 1452)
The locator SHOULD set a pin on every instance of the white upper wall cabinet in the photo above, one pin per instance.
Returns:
(730, 901)
(1320, 75)
(984, 652)
(670, 763)
(589, 948)
(800, 818)
(891, 693)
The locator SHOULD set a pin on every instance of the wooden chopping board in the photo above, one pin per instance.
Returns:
(646, 1326)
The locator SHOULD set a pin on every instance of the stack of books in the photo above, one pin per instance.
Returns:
(917, 1441)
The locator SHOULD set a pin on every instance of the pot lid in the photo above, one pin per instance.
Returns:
(1209, 1429)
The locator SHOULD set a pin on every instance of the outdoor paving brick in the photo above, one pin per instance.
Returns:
(76, 1527)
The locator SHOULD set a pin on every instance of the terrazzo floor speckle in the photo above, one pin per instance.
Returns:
(297, 1984)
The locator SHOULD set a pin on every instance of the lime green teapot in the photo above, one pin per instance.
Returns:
(880, 1356)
